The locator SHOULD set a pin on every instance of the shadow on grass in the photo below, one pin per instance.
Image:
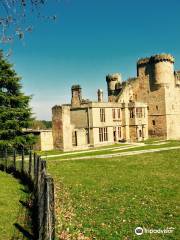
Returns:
(23, 227)
(23, 231)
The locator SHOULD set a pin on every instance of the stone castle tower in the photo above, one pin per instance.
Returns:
(61, 126)
(114, 86)
(158, 85)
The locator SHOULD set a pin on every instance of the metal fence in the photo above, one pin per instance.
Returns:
(32, 168)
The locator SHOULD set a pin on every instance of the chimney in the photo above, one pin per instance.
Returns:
(76, 95)
(100, 95)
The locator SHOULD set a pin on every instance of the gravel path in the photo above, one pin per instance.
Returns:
(95, 150)
(136, 152)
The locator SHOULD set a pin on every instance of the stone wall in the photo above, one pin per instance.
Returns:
(156, 85)
(57, 127)
(46, 140)
(79, 117)
(81, 137)
(62, 128)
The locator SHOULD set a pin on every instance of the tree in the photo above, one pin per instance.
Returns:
(14, 15)
(15, 113)
(48, 124)
(41, 124)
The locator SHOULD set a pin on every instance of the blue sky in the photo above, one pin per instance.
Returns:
(90, 39)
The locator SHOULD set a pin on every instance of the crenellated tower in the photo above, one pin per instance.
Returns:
(113, 85)
(159, 68)
(158, 85)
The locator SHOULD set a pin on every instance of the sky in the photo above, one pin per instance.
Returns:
(90, 39)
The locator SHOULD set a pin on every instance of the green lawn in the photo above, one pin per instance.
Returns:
(114, 149)
(11, 210)
(108, 198)
(57, 152)
(149, 144)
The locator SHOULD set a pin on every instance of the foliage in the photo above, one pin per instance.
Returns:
(15, 113)
(15, 18)
(41, 124)
(48, 124)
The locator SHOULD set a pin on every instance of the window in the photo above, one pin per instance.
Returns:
(114, 113)
(153, 122)
(140, 133)
(131, 112)
(119, 132)
(87, 136)
(103, 134)
(139, 112)
(156, 107)
(102, 114)
(100, 134)
(119, 113)
(74, 138)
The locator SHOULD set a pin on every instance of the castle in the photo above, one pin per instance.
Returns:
(141, 107)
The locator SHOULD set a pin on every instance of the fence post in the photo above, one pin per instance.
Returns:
(6, 158)
(35, 166)
(41, 202)
(43, 192)
(22, 167)
(14, 158)
(30, 163)
(49, 220)
(52, 207)
(38, 172)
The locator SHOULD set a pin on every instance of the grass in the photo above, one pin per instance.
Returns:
(149, 144)
(106, 199)
(11, 210)
(57, 152)
(105, 151)
(153, 140)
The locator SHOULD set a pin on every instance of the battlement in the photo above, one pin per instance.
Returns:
(75, 87)
(163, 58)
(143, 61)
(156, 58)
(113, 77)
(56, 107)
(114, 85)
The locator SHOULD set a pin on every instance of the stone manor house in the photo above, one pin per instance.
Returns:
(144, 106)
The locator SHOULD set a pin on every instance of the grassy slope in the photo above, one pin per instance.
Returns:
(107, 199)
(11, 211)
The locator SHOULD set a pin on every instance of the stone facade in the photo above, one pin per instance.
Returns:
(44, 139)
(62, 128)
(158, 85)
(78, 126)
(146, 105)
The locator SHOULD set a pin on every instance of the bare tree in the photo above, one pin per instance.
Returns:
(14, 15)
